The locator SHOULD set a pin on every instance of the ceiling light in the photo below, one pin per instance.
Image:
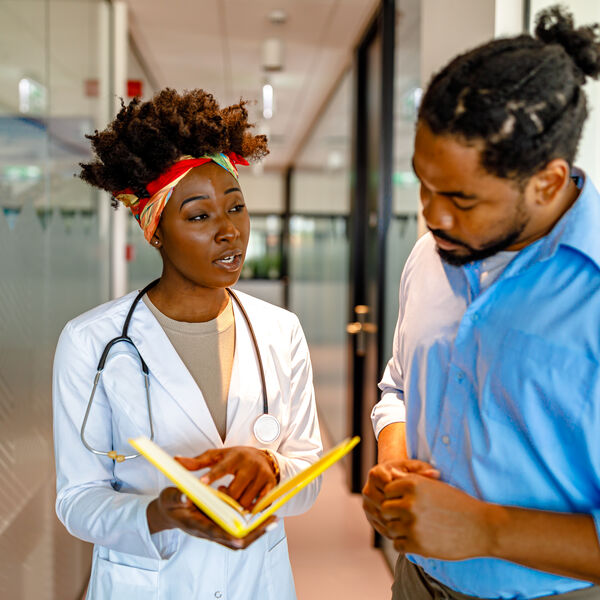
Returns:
(267, 101)
(278, 16)
(272, 54)
(32, 96)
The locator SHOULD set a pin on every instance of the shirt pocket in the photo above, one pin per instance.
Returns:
(114, 581)
(533, 382)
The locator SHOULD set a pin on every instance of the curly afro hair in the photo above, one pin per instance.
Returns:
(522, 96)
(146, 138)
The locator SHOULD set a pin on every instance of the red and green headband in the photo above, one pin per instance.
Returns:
(148, 210)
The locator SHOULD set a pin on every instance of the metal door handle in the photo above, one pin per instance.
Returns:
(360, 328)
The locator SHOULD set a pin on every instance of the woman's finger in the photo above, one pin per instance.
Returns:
(171, 498)
(251, 492)
(242, 480)
(207, 459)
(265, 490)
(258, 532)
(222, 468)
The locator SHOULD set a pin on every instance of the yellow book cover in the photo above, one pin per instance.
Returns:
(223, 509)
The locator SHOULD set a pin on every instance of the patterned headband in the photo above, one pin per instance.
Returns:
(148, 210)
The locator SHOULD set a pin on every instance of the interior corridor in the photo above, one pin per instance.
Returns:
(331, 547)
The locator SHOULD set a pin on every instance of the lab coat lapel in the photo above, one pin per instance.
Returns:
(166, 366)
(244, 402)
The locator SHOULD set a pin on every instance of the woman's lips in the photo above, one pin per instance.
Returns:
(230, 263)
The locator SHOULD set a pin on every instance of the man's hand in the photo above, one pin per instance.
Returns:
(434, 519)
(379, 477)
(172, 510)
(252, 474)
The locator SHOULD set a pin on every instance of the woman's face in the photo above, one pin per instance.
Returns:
(204, 228)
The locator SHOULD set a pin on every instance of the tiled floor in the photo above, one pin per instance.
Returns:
(331, 548)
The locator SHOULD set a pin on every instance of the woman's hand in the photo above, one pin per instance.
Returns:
(252, 473)
(172, 510)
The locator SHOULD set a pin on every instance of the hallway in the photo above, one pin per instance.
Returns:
(331, 547)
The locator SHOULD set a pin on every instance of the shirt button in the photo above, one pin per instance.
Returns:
(460, 377)
(446, 439)
(218, 595)
(475, 317)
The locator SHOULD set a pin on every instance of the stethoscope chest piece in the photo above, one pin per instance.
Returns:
(266, 429)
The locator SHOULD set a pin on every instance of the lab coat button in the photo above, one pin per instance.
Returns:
(446, 439)
(218, 595)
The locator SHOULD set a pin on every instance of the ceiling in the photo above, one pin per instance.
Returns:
(216, 45)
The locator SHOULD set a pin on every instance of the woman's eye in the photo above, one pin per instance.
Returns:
(238, 208)
(198, 217)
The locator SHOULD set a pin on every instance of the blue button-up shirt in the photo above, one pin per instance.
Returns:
(500, 388)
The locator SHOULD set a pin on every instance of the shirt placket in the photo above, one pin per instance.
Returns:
(448, 442)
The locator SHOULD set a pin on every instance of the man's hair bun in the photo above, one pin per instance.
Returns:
(555, 25)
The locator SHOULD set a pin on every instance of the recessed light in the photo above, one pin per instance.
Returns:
(278, 16)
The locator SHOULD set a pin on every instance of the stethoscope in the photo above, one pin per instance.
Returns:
(266, 427)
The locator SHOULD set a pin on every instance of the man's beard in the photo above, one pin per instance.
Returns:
(491, 248)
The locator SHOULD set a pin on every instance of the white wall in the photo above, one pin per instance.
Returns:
(321, 192)
(449, 28)
(588, 157)
(263, 192)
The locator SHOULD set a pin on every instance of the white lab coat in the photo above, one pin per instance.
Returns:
(105, 502)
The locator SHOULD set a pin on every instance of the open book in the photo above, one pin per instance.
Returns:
(223, 509)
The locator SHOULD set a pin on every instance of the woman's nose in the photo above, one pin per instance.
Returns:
(227, 229)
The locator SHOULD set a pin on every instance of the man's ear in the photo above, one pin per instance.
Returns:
(548, 183)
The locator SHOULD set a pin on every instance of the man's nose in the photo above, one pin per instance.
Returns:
(436, 211)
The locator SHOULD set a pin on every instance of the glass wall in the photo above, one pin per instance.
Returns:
(143, 261)
(402, 233)
(52, 260)
(319, 252)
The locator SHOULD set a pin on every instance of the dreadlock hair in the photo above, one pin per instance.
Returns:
(146, 138)
(520, 96)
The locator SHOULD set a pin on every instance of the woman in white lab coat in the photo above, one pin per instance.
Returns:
(172, 162)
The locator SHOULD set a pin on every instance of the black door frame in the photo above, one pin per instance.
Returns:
(383, 25)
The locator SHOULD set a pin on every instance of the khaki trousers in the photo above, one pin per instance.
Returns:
(412, 583)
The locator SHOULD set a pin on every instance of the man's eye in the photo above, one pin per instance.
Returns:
(463, 204)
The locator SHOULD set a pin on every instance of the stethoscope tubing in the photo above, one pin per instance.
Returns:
(124, 337)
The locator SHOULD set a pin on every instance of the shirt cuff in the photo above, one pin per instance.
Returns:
(390, 409)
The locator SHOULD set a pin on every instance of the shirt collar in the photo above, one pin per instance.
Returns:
(578, 227)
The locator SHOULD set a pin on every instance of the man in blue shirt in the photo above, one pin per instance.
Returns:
(489, 422)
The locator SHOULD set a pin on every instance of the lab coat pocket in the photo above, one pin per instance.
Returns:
(278, 568)
(113, 581)
(273, 546)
